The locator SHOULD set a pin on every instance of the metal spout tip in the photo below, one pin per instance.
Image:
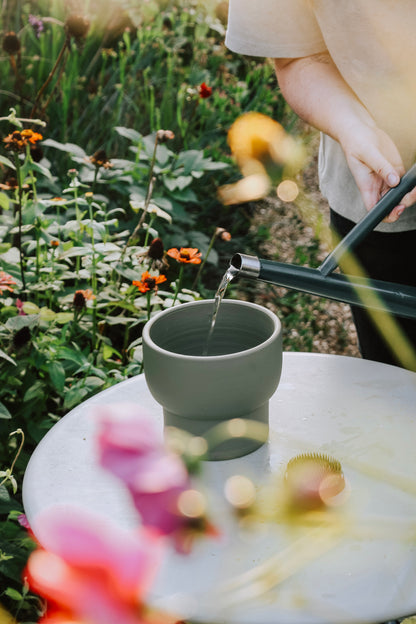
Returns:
(247, 266)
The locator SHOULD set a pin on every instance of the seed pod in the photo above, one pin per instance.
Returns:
(11, 43)
(77, 26)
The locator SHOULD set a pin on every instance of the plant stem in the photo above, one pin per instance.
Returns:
(178, 284)
(20, 221)
(146, 238)
(201, 266)
(149, 194)
(93, 277)
(19, 450)
(49, 78)
(149, 306)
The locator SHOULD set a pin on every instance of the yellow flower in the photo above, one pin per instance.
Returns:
(256, 138)
(262, 148)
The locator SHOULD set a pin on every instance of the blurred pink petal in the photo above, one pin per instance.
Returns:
(129, 446)
(90, 568)
(23, 521)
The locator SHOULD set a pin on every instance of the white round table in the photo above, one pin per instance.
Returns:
(363, 413)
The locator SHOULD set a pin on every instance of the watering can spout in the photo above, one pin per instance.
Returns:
(358, 291)
(245, 265)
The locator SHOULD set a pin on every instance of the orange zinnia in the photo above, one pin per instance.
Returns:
(6, 282)
(149, 282)
(81, 297)
(186, 255)
(17, 140)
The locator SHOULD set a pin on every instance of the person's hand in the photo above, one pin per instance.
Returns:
(376, 165)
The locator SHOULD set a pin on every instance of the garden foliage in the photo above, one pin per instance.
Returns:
(113, 145)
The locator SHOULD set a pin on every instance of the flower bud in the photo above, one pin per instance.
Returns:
(77, 26)
(164, 135)
(11, 43)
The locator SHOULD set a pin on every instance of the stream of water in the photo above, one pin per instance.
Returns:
(230, 273)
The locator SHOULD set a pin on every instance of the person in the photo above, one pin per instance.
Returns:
(347, 68)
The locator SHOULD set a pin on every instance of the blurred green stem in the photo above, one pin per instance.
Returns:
(20, 220)
(201, 266)
(41, 91)
(178, 284)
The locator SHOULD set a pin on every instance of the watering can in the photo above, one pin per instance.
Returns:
(398, 299)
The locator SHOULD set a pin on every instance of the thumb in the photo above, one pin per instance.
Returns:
(391, 178)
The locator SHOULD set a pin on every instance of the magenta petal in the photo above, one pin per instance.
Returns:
(88, 540)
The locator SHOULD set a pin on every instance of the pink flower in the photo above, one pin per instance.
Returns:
(19, 306)
(23, 521)
(130, 447)
(91, 570)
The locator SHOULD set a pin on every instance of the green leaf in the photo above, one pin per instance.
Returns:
(76, 251)
(57, 375)
(185, 196)
(109, 351)
(71, 355)
(30, 308)
(71, 148)
(4, 201)
(11, 256)
(24, 229)
(41, 169)
(13, 594)
(9, 359)
(74, 396)
(35, 391)
(191, 160)
(93, 382)
(45, 314)
(17, 322)
(4, 412)
(7, 162)
(4, 494)
(181, 182)
(129, 133)
(211, 165)
(63, 317)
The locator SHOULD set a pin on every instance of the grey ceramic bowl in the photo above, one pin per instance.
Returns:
(235, 380)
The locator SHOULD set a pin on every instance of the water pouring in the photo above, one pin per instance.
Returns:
(398, 299)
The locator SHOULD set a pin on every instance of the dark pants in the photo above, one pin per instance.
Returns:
(389, 257)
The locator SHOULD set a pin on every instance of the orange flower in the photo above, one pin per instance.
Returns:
(81, 297)
(10, 184)
(185, 255)
(100, 159)
(149, 282)
(204, 91)
(31, 137)
(54, 243)
(17, 141)
(6, 281)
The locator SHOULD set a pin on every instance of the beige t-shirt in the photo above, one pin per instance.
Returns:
(373, 44)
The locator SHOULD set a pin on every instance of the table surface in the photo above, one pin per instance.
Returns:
(361, 412)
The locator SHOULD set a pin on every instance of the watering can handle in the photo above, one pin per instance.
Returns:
(382, 208)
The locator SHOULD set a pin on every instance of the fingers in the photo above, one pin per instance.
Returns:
(376, 165)
(408, 200)
(395, 214)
